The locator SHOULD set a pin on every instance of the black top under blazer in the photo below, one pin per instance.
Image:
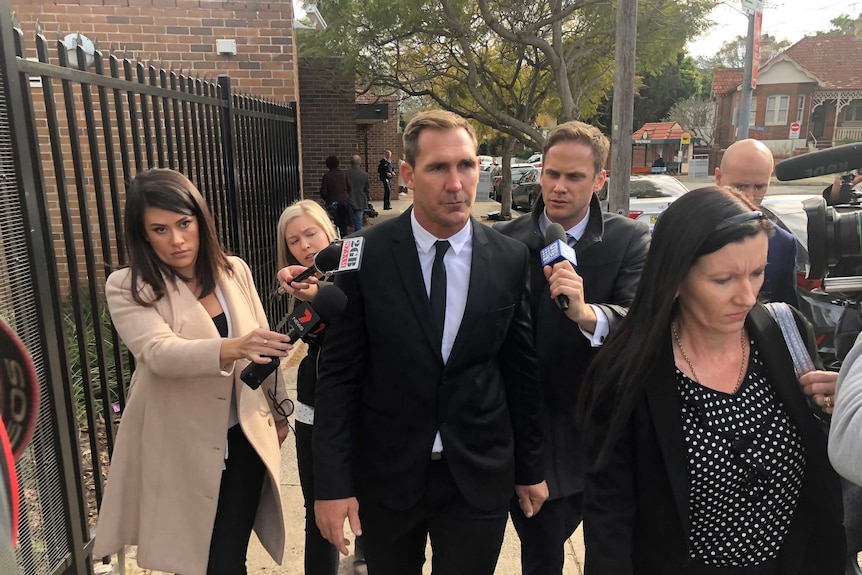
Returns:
(636, 507)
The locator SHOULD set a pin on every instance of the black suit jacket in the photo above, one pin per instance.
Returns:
(636, 507)
(779, 283)
(611, 255)
(384, 390)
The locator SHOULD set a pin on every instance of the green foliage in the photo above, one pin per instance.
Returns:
(501, 63)
(732, 53)
(842, 24)
(77, 366)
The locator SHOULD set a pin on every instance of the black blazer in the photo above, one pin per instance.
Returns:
(636, 507)
(384, 391)
(611, 255)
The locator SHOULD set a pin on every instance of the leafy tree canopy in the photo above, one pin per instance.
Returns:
(841, 24)
(501, 63)
(732, 53)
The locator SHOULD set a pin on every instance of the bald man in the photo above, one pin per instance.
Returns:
(747, 166)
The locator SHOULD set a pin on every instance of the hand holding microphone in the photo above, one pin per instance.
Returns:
(338, 257)
(557, 250)
(308, 320)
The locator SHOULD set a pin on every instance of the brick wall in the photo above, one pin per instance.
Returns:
(328, 119)
(182, 34)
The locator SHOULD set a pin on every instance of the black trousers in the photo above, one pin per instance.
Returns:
(465, 540)
(544, 535)
(238, 498)
(321, 556)
(387, 194)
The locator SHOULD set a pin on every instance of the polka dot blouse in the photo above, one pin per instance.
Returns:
(745, 467)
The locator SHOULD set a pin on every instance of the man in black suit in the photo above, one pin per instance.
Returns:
(428, 408)
(386, 172)
(611, 251)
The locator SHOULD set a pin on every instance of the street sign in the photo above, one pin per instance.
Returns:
(795, 128)
(685, 139)
(752, 5)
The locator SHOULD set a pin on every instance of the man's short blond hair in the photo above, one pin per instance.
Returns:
(432, 120)
(575, 131)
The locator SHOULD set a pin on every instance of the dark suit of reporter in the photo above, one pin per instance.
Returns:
(611, 251)
(386, 387)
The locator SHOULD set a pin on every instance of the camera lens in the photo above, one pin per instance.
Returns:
(832, 235)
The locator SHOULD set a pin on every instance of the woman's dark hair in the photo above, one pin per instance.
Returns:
(169, 190)
(699, 223)
(332, 162)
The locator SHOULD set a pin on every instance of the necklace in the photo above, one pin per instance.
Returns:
(691, 367)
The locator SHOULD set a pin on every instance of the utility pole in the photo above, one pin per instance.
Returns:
(624, 104)
(743, 120)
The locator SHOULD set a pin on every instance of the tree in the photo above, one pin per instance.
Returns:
(501, 63)
(697, 115)
(657, 92)
(841, 24)
(732, 53)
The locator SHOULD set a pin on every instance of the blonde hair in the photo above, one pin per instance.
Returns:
(441, 120)
(309, 208)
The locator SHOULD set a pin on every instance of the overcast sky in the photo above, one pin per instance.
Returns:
(784, 19)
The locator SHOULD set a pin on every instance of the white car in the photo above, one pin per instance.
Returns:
(649, 196)
(485, 162)
(535, 160)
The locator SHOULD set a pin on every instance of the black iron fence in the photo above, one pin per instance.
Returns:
(70, 137)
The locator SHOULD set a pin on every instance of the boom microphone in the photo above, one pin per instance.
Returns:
(337, 257)
(557, 250)
(830, 161)
(305, 322)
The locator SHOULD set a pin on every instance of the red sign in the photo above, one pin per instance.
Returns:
(795, 127)
(755, 58)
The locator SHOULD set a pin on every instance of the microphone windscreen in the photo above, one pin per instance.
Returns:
(555, 232)
(830, 161)
(327, 259)
(329, 302)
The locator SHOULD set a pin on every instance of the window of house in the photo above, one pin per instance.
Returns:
(776, 110)
(853, 112)
(752, 114)
(800, 108)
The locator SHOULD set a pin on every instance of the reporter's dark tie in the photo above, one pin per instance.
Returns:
(438, 287)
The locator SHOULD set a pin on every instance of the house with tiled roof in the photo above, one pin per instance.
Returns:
(668, 140)
(816, 83)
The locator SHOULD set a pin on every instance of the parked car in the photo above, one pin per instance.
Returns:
(649, 196)
(785, 210)
(527, 190)
(535, 160)
(485, 162)
(518, 170)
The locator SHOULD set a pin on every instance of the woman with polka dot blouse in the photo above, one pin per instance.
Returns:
(708, 455)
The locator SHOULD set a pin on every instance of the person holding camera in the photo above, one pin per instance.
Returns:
(197, 460)
(706, 454)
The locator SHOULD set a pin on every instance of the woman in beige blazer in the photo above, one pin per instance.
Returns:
(196, 464)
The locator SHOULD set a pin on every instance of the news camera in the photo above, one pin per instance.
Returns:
(834, 234)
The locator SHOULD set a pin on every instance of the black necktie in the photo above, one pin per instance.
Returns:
(570, 239)
(438, 287)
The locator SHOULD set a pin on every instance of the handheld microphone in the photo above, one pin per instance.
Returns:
(306, 321)
(556, 250)
(830, 161)
(337, 257)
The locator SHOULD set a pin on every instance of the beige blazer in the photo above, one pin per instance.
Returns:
(164, 478)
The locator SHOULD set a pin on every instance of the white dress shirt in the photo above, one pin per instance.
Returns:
(458, 261)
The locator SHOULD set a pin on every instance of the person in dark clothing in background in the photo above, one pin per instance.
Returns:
(611, 251)
(386, 173)
(335, 191)
(360, 193)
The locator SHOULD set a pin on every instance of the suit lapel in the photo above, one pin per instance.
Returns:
(410, 272)
(480, 272)
(664, 405)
